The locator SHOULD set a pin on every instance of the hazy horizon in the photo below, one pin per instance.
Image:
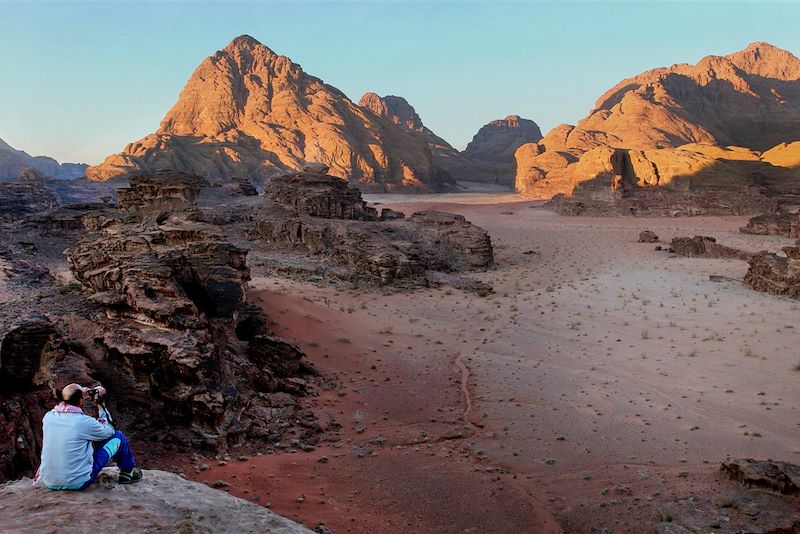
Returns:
(86, 78)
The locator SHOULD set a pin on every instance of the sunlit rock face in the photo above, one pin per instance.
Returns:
(723, 109)
(249, 112)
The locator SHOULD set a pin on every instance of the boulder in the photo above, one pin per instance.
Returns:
(705, 247)
(648, 236)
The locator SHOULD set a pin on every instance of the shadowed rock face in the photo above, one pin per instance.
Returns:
(247, 111)
(748, 99)
(498, 140)
(174, 290)
(311, 211)
(35, 363)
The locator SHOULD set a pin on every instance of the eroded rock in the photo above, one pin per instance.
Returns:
(329, 220)
(772, 273)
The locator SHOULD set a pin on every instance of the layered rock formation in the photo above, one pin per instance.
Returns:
(13, 163)
(776, 274)
(312, 212)
(748, 99)
(173, 290)
(488, 158)
(246, 111)
(161, 502)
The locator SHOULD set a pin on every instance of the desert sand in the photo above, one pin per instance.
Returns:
(600, 379)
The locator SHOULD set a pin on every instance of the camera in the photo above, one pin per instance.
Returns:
(95, 392)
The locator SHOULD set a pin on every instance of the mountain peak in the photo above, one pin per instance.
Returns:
(764, 59)
(243, 41)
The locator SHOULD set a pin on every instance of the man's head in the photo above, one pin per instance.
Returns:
(72, 394)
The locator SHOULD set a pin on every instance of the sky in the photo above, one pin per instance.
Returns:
(80, 80)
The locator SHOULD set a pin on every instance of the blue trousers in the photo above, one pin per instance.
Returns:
(114, 448)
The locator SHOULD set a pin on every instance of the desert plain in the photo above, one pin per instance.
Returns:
(601, 379)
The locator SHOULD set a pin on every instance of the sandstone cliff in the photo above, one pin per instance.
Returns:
(748, 99)
(14, 162)
(247, 111)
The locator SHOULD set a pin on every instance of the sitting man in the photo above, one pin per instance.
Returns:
(69, 460)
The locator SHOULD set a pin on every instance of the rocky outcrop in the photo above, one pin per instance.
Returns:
(706, 247)
(311, 211)
(772, 273)
(781, 477)
(782, 223)
(320, 195)
(173, 291)
(246, 111)
(753, 496)
(161, 502)
(693, 179)
(13, 164)
(748, 99)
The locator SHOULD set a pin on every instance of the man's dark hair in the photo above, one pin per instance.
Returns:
(75, 398)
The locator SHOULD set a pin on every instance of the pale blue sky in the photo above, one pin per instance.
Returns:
(82, 79)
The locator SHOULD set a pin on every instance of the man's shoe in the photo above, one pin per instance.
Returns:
(130, 477)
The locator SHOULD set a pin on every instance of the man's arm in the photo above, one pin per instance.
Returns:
(93, 430)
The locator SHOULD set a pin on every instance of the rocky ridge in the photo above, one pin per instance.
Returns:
(489, 157)
(247, 111)
(14, 162)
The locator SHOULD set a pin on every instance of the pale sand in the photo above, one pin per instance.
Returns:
(603, 376)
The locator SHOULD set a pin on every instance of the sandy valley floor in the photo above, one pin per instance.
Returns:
(600, 379)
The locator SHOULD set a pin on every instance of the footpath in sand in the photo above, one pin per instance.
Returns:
(601, 379)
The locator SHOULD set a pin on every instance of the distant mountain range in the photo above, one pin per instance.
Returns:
(13, 162)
